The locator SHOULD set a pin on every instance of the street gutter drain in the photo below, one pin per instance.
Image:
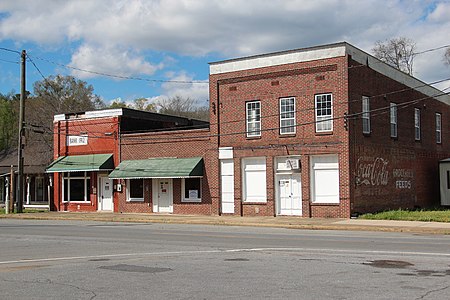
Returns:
(237, 259)
(136, 269)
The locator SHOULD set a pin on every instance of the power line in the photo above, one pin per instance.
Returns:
(10, 61)
(122, 76)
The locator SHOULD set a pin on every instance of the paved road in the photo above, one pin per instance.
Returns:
(101, 260)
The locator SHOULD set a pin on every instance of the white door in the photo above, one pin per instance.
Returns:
(164, 196)
(289, 195)
(227, 185)
(105, 196)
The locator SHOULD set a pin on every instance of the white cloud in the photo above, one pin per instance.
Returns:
(182, 84)
(228, 27)
(112, 61)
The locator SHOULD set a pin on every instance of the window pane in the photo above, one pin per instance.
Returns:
(438, 128)
(76, 190)
(287, 115)
(136, 188)
(253, 118)
(66, 189)
(366, 114)
(324, 112)
(192, 188)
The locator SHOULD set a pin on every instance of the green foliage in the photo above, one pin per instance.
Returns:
(411, 215)
(8, 123)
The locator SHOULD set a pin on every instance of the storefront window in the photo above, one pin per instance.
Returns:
(76, 187)
(135, 190)
(192, 188)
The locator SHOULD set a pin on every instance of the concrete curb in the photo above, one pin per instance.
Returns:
(278, 222)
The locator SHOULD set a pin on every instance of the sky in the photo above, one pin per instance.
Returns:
(165, 46)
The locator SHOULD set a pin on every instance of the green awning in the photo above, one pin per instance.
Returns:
(159, 168)
(77, 163)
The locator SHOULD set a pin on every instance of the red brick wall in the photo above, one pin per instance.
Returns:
(98, 143)
(302, 81)
(409, 167)
(181, 144)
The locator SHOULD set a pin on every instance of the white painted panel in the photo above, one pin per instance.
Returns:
(325, 179)
(326, 186)
(227, 186)
(225, 152)
(255, 186)
(275, 59)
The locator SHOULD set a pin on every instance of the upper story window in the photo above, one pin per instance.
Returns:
(417, 124)
(366, 114)
(438, 128)
(324, 112)
(393, 118)
(253, 117)
(287, 115)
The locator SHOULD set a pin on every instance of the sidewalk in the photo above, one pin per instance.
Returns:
(278, 222)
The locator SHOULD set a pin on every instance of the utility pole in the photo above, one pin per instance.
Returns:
(21, 134)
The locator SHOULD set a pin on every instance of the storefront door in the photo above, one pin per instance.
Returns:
(164, 201)
(105, 197)
(289, 194)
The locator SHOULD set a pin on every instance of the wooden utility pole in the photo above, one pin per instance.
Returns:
(11, 191)
(21, 134)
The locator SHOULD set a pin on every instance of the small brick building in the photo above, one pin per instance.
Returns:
(327, 131)
(87, 147)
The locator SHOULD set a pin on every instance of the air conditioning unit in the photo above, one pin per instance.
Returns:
(293, 164)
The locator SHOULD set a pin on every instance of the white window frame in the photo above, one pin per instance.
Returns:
(365, 115)
(417, 133)
(324, 122)
(68, 178)
(291, 128)
(438, 128)
(183, 192)
(250, 166)
(393, 119)
(253, 118)
(330, 163)
(138, 199)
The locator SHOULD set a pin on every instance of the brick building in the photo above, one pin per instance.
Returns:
(87, 148)
(327, 131)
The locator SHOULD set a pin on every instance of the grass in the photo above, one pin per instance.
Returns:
(438, 215)
(28, 210)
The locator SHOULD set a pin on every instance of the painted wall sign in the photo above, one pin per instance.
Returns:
(77, 140)
(372, 171)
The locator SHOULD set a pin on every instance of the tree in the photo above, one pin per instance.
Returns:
(141, 104)
(397, 52)
(8, 121)
(183, 107)
(60, 94)
(447, 56)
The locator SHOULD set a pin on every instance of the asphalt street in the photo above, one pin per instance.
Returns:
(50, 259)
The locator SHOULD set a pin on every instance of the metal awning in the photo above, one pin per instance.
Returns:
(159, 168)
(77, 163)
